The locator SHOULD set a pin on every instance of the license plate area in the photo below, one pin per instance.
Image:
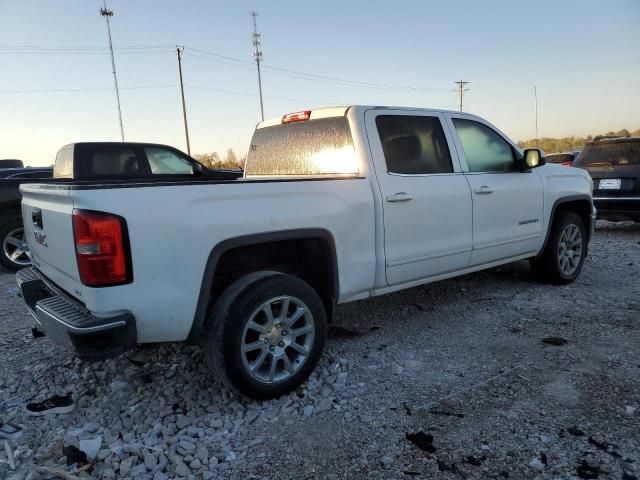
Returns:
(610, 184)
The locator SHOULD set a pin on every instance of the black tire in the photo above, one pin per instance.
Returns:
(548, 266)
(6, 249)
(226, 333)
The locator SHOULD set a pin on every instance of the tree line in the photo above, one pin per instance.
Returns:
(566, 144)
(213, 160)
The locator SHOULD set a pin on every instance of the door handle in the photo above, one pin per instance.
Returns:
(400, 197)
(484, 190)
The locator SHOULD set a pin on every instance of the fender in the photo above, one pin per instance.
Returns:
(221, 248)
(571, 198)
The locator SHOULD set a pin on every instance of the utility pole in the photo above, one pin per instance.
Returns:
(535, 96)
(106, 13)
(184, 107)
(461, 84)
(257, 55)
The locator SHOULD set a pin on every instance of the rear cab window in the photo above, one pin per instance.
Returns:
(616, 152)
(322, 146)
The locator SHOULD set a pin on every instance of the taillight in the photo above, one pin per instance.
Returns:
(296, 117)
(102, 248)
(567, 164)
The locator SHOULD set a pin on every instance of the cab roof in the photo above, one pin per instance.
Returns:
(341, 111)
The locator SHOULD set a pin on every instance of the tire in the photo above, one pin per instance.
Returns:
(254, 355)
(564, 254)
(12, 255)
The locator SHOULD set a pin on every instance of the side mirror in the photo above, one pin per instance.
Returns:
(533, 157)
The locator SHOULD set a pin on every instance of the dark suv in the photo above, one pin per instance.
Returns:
(614, 166)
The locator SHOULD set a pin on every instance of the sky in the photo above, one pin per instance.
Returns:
(56, 85)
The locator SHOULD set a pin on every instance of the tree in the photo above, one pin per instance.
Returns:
(623, 133)
(232, 160)
(209, 160)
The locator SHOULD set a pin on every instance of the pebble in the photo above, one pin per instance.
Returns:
(150, 460)
(182, 421)
(125, 466)
(537, 464)
(396, 369)
(324, 405)
(182, 469)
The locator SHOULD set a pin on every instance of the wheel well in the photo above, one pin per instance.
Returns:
(582, 208)
(307, 254)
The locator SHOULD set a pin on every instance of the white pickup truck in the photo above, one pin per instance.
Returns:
(336, 205)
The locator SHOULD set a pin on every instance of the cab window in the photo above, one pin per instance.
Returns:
(484, 149)
(167, 162)
(414, 145)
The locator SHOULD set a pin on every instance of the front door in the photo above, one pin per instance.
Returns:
(425, 196)
(507, 202)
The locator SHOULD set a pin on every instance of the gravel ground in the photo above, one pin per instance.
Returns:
(450, 380)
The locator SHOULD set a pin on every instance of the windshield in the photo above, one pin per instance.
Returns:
(625, 152)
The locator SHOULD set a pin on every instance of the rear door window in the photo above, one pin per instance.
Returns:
(163, 161)
(414, 144)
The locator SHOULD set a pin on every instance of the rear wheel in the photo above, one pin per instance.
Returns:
(562, 258)
(265, 334)
(14, 246)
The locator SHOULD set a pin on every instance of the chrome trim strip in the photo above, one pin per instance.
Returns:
(504, 242)
(404, 261)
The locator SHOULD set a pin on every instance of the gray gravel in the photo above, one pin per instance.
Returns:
(516, 407)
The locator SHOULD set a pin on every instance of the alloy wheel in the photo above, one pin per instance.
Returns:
(14, 247)
(277, 339)
(570, 249)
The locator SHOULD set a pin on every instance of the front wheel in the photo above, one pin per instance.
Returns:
(265, 334)
(562, 258)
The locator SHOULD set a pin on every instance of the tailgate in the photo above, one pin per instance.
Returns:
(47, 213)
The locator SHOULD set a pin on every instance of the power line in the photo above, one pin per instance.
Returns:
(98, 89)
(237, 62)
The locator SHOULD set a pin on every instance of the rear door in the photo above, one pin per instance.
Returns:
(425, 196)
(507, 202)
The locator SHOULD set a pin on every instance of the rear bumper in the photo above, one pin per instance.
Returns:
(68, 323)
(617, 207)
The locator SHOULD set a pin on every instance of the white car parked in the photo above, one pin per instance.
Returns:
(336, 205)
